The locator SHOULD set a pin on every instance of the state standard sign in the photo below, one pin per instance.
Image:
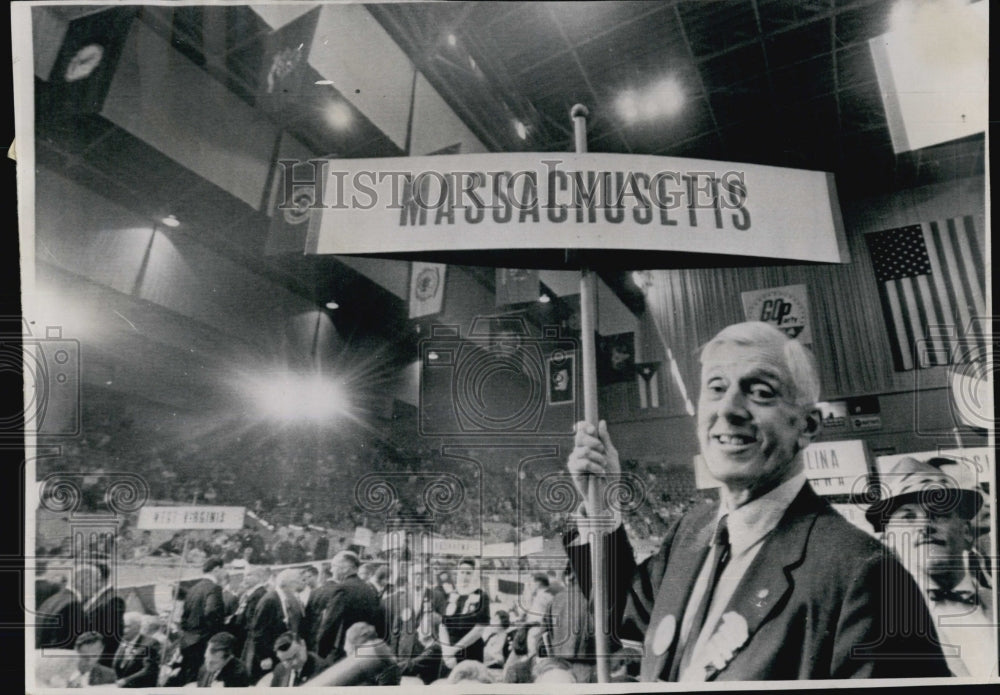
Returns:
(191, 517)
(570, 200)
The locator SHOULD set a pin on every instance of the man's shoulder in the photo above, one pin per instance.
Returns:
(102, 675)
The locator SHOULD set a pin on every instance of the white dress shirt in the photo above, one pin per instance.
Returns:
(749, 525)
(967, 633)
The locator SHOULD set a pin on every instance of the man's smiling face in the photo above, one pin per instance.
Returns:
(750, 427)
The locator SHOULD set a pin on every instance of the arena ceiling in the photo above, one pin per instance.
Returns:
(777, 82)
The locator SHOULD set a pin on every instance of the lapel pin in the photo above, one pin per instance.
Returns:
(761, 595)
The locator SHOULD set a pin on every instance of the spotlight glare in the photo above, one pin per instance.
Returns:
(295, 397)
(332, 305)
(338, 115)
(171, 221)
(522, 130)
(628, 109)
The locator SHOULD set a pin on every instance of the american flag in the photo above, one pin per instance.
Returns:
(931, 281)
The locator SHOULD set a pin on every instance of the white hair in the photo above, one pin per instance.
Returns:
(799, 360)
(287, 576)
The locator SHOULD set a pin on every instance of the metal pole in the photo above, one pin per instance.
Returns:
(595, 491)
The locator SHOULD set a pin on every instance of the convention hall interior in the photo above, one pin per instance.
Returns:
(214, 360)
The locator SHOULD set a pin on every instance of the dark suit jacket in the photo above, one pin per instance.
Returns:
(101, 675)
(353, 601)
(268, 625)
(139, 663)
(60, 620)
(239, 623)
(822, 599)
(44, 589)
(203, 614)
(107, 617)
(319, 600)
(232, 675)
(313, 665)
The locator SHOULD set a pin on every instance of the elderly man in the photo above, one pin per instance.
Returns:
(278, 611)
(770, 583)
(926, 520)
(352, 600)
(137, 661)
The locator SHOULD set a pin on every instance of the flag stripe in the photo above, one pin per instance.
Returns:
(969, 276)
(978, 263)
(944, 304)
(915, 319)
(892, 326)
(938, 345)
(902, 338)
(961, 303)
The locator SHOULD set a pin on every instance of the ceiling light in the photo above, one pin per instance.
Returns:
(522, 130)
(332, 305)
(452, 41)
(324, 82)
(472, 63)
(544, 298)
(171, 221)
(628, 107)
(666, 98)
(338, 115)
(432, 356)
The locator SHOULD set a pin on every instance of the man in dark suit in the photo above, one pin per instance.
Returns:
(137, 661)
(220, 667)
(279, 611)
(203, 615)
(318, 600)
(89, 647)
(103, 609)
(296, 664)
(256, 585)
(770, 583)
(352, 601)
(570, 630)
(60, 619)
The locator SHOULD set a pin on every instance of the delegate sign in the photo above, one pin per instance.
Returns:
(191, 517)
(561, 200)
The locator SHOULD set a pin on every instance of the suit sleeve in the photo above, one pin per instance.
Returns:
(150, 667)
(215, 610)
(265, 614)
(332, 616)
(631, 589)
(884, 629)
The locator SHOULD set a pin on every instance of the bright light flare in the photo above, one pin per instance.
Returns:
(299, 397)
(665, 98)
(339, 116)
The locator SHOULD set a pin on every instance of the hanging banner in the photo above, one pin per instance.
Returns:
(426, 289)
(573, 200)
(785, 307)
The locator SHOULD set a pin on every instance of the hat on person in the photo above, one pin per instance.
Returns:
(211, 564)
(925, 483)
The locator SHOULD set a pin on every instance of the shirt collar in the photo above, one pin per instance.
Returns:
(752, 521)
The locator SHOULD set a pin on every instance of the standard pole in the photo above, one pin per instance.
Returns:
(595, 491)
(180, 571)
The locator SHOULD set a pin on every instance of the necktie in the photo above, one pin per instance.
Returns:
(967, 597)
(720, 544)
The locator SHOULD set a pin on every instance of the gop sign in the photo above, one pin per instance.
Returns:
(785, 307)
